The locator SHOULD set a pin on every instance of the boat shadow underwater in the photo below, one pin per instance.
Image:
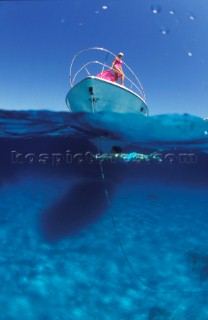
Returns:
(83, 202)
(81, 205)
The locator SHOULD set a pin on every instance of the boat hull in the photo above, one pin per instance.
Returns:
(93, 94)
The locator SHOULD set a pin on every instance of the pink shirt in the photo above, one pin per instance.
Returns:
(118, 63)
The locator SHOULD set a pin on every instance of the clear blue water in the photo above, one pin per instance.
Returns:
(74, 246)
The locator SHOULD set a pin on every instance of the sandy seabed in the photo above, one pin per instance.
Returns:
(145, 258)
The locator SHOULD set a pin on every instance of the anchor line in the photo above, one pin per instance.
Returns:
(121, 245)
(114, 222)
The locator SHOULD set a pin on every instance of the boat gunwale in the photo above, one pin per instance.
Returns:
(111, 83)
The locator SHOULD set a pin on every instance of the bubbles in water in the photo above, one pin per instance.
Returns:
(206, 132)
(164, 31)
(191, 17)
(104, 7)
(172, 12)
(80, 24)
(189, 53)
(97, 12)
(155, 8)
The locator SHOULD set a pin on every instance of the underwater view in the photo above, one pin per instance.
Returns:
(91, 236)
(104, 215)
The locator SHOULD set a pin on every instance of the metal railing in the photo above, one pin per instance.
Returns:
(134, 83)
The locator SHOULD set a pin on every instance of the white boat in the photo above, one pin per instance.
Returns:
(91, 93)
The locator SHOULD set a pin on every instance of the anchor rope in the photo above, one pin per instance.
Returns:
(114, 222)
(121, 245)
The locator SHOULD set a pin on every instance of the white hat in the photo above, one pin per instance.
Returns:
(120, 54)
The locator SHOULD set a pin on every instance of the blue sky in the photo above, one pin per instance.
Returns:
(164, 42)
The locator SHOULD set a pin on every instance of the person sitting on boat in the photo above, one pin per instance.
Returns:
(117, 68)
